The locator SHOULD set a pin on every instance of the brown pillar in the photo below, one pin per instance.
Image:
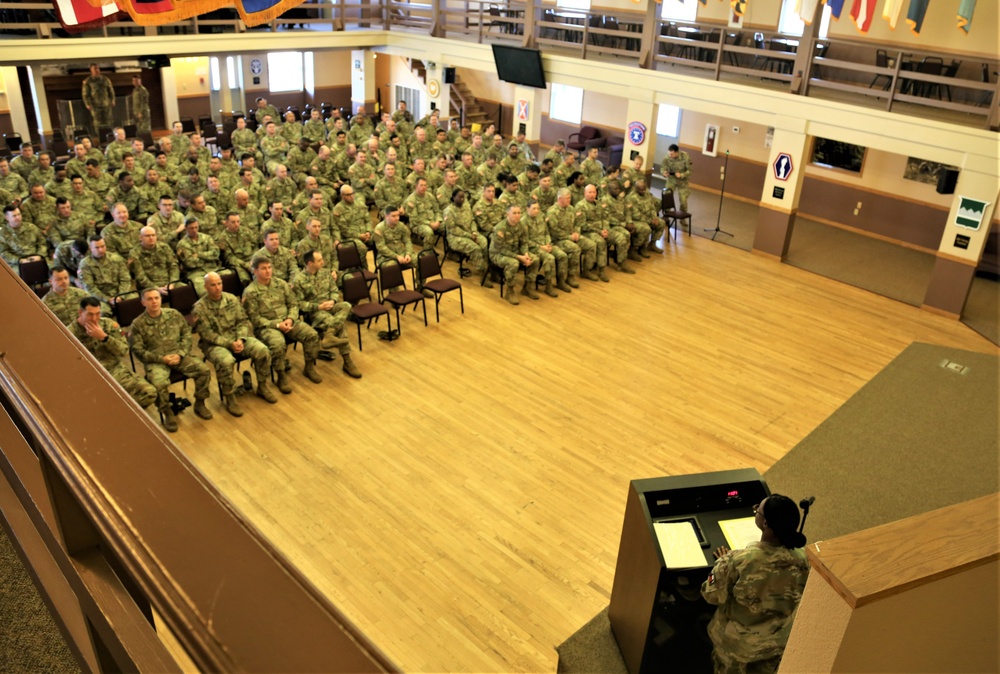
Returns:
(774, 231)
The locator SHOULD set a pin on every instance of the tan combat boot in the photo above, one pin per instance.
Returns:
(201, 410)
(232, 405)
(633, 255)
(310, 372)
(654, 248)
(549, 290)
(349, 367)
(643, 251)
(264, 391)
(487, 283)
(602, 274)
(169, 420)
(283, 384)
(624, 268)
(528, 291)
(591, 276)
(563, 286)
(511, 297)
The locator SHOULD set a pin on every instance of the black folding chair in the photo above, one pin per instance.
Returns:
(428, 266)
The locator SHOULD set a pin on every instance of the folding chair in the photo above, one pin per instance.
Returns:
(391, 276)
(357, 293)
(429, 266)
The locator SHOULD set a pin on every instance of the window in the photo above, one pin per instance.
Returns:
(668, 121)
(678, 10)
(213, 73)
(573, 4)
(791, 23)
(285, 71)
(412, 99)
(566, 103)
(233, 72)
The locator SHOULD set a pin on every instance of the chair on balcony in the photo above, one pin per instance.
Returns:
(882, 61)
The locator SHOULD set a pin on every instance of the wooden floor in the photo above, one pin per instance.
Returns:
(463, 502)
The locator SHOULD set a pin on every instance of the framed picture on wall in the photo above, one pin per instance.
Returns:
(711, 140)
(838, 155)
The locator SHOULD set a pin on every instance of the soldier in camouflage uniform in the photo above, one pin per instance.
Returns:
(488, 170)
(280, 187)
(225, 333)
(153, 263)
(168, 223)
(619, 217)
(544, 194)
(561, 220)
(300, 159)
(104, 274)
(757, 591)
(69, 255)
(59, 186)
(552, 260)
(12, 181)
(316, 240)
(284, 264)
(125, 192)
(274, 148)
(460, 227)
(314, 129)
(291, 129)
(63, 298)
(243, 139)
(320, 304)
(514, 163)
(96, 180)
(591, 167)
(390, 189)
(197, 253)
(487, 212)
(361, 127)
(446, 190)
(469, 178)
(219, 199)
(39, 209)
(103, 338)
(315, 209)
(425, 217)
(362, 177)
(116, 149)
(512, 194)
(264, 109)
(392, 241)
(86, 203)
(99, 97)
(509, 251)
(122, 235)
(633, 174)
(237, 246)
(643, 207)
(208, 217)
(44, 171)
(20, 241)
(677, 167)
(161, 339)
(274, 313)
(351, 219)
(286, 229)
(593, 222)
(140, 105)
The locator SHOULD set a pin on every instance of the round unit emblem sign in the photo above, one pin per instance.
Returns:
(636, 133)
(433, 88)
(256, 66)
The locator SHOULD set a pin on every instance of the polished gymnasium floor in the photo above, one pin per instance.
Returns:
(463, 502)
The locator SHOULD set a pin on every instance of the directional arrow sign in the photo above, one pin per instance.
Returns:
(783, 166)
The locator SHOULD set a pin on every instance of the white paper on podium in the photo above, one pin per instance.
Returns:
(740, 532)
(679, 544)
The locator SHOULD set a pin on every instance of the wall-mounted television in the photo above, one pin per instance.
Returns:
(519, 65)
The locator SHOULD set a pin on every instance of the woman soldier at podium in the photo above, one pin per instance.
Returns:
(757, 590)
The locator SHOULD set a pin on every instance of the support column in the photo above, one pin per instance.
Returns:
(963, 240)
(171, 110)
(15, 101)
(782, 187)
(640, 121)
(527, 111)
(225, 93)
(362, 79)
(40, 100)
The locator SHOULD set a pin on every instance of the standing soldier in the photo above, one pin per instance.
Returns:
(319, 301)
(677, 167)
(99, 97)
(161, 339)
(509, 250)
(224, 332)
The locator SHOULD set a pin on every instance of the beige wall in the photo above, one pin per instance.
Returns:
(191, 74)
(332, 68)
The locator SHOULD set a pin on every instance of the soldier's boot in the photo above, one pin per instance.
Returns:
(654, 248)
(425, 292)
(602, 274)
(528, 291)
(201, 409)
(169, 420)
(624, 268)
(549, 290)
(561, 283)
(511, 297)
(487, 283)
(349, 367)
(283, 384)
(311, 373)
(591, 276)
(232, 405)
(643, 251)
(264, 391)
(634, 255)
(331, 341)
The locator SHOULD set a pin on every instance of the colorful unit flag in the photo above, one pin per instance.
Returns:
(77, 16)
(965, 10)
(159, 12)
(739, 7)
(891, 12)
(862, 12)
(256, 12)
(806, 9)
(836, 7)
(915, 16)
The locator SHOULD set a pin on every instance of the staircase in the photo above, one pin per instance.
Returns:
(462, 103)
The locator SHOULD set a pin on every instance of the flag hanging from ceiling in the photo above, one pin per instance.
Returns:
(739, 7)
(891, 12)
(965, 10)
(256, 12)
(158, 12)
(806, 9)
(862, 12)
(77, 16)
(915, 16)
(836, 7)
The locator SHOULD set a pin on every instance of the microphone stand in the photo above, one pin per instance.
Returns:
(718, 230)
(805, 504)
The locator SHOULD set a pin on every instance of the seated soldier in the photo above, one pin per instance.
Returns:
(274, 314)
(509, 251)
(552, 260)
(64, 298)
(619, 217)
(463, 236)
(237, 246)
(20, 241)
(320, 305)
(225, 333)
(353, 223)
(392, 241)
(198, 254)
(153, 264)
(283, 262)
(316, 240)
(104, 274)
(122, 234)
(103, 338)
(644, 207)
(161, 340)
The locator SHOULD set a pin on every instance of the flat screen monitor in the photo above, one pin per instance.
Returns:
(519, 65)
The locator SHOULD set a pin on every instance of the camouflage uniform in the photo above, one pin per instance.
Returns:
(166, 231)
(244, 141)
(487, 215)
(105, 278)
(267, 111)
(488, 175)
(757, 590)
(313, 289)
(562, 225)
(88, 204)
(363, 179)
(513, 165)
(545, 198)
(291, 131)
(153, 267)
(592, 169)
(283, 262)
(109, 354)
(591, 218)
(40, 175)
(518, 198)
(39, 213)
(361, 129)
(114, 152)
(198, 257)
(643, 209)
(121, 239)
(67, 256)
(619, 220)
(298, 162)
(69, 229)
(274, 149)
(131, 198)
(390, 193)
(99, 97)
(553, 265)
(314, 130)
(392, 242)
(267, 306)
(237, 250)
(351, 221)
(168, 333)
(220, 323)
(220, 202)
(324, 245)
(140, 108)
(681, 186)
(56, 188)
(280, 189)
(631, 176)
(100, 184)
(462, 235)
(66, 306)
(15, 183)
(22, 242)
(508, 241)
(423, 211)
(325, 217)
